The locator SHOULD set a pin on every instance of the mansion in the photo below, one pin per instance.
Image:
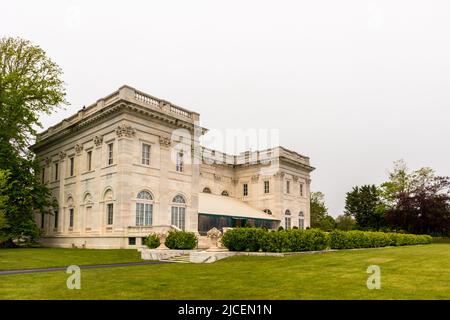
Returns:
(131, 164)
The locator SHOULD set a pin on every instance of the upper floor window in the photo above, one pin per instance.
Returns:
(206, 190)
(301, 220)
(110, 213)
(266, 187)
(56, 166)
(89, 160)
(288, 186)
(245, 189)
(267, 211)
(110, 153)
(179, 164)
(301, 189)
(145, 154)
(71, 166)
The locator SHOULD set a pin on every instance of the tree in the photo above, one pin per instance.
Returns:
(327, 223)
(345, 222)
(3, 200)
(30, 85)
(366, 206)
(318, 209)
(419, 201)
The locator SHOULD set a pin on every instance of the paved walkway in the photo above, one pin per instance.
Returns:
(96, 266)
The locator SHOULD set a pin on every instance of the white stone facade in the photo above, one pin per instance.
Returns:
(98, 161)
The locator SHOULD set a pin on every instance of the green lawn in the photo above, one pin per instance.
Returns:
(11, 259)
(416, 272)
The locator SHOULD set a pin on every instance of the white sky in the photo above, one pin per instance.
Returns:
(354, 85)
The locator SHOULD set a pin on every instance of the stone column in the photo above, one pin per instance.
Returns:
(62, 175)
(166, 163)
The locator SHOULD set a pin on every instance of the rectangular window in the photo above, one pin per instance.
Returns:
(71, 218)
(245, 189)
(301, 189)
(56, 171)
(144, 214)
(145, 154)
(43, 174)
(301, 224)
(266, 187)
(110, 153)
(89, 160)
(180, 164)
(288, 186)
(42, 220)
(179, 217)
(72, 166)
(132, 241)
(287, 222)
(110, 210)
(56, 219)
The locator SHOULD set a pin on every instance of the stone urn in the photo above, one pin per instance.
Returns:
(214, 234)
(162, 239)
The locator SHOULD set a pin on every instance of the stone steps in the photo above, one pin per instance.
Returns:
(184, 258)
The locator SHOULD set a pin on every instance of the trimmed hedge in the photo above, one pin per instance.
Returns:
(257, 239)
(181, 240)
(296, 240)
(359, 239)
(152, 241)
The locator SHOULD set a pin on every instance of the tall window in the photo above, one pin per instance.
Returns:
(301, 189)
(89, 160)
(266, 187)
(145, 154)
(56, 171)
(110, 213)
(179, 165)
(42, 220)
(43, 174)
(56, 219)
(287, 219)
(110, 153)
(245, 189)
(71, 216)
(179, 212)
(288, 186)
(301, 220)
(144, 209)
(72, 166)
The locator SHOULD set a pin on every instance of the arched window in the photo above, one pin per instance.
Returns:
(144, 209)
(88, 202)
(178, 212)
(225, 193)
(301, 220)
(206, 190)
(267, 211)
(108, 198)
(287, 219)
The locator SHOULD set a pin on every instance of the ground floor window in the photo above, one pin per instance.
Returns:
(179, 217)
(110, 211)
(208, 221)
(144, 213)
(71, 216)
(132, 241)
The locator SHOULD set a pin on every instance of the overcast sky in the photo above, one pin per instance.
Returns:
(354, 85)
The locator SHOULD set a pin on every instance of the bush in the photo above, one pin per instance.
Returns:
(152, 241)
(291, 240)
(361, 239)
(181, 240)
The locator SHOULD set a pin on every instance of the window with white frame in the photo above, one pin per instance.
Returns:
(109, 214)
(179, 163)
(301, 220)
(71, 217)
(144, 209)
(287, 219)
(145, 154)
(266, 186)
(178, 212)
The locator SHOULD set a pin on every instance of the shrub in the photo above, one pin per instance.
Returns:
(244, 239)
(152, 241)
(181, 240)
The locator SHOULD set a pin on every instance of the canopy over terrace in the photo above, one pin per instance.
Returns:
(222, 211)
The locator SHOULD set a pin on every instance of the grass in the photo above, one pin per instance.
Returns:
(13, 259)
(415, 272)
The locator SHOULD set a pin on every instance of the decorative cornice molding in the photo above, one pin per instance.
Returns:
(124, 130)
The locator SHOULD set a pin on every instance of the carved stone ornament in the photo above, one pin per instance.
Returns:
(124, 130)
(214, 234)
(235, 181)
(47, 161)
(98, 141)
(78, 148)
(255, 178)
(62, 155)
(279, 174)
(295, 178)
(164, 141)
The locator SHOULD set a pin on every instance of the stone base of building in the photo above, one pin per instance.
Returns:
(90, 242)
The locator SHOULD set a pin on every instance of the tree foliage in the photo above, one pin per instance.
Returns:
(318, 208)
(30, 85)
(366, 206)
(345, 222)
